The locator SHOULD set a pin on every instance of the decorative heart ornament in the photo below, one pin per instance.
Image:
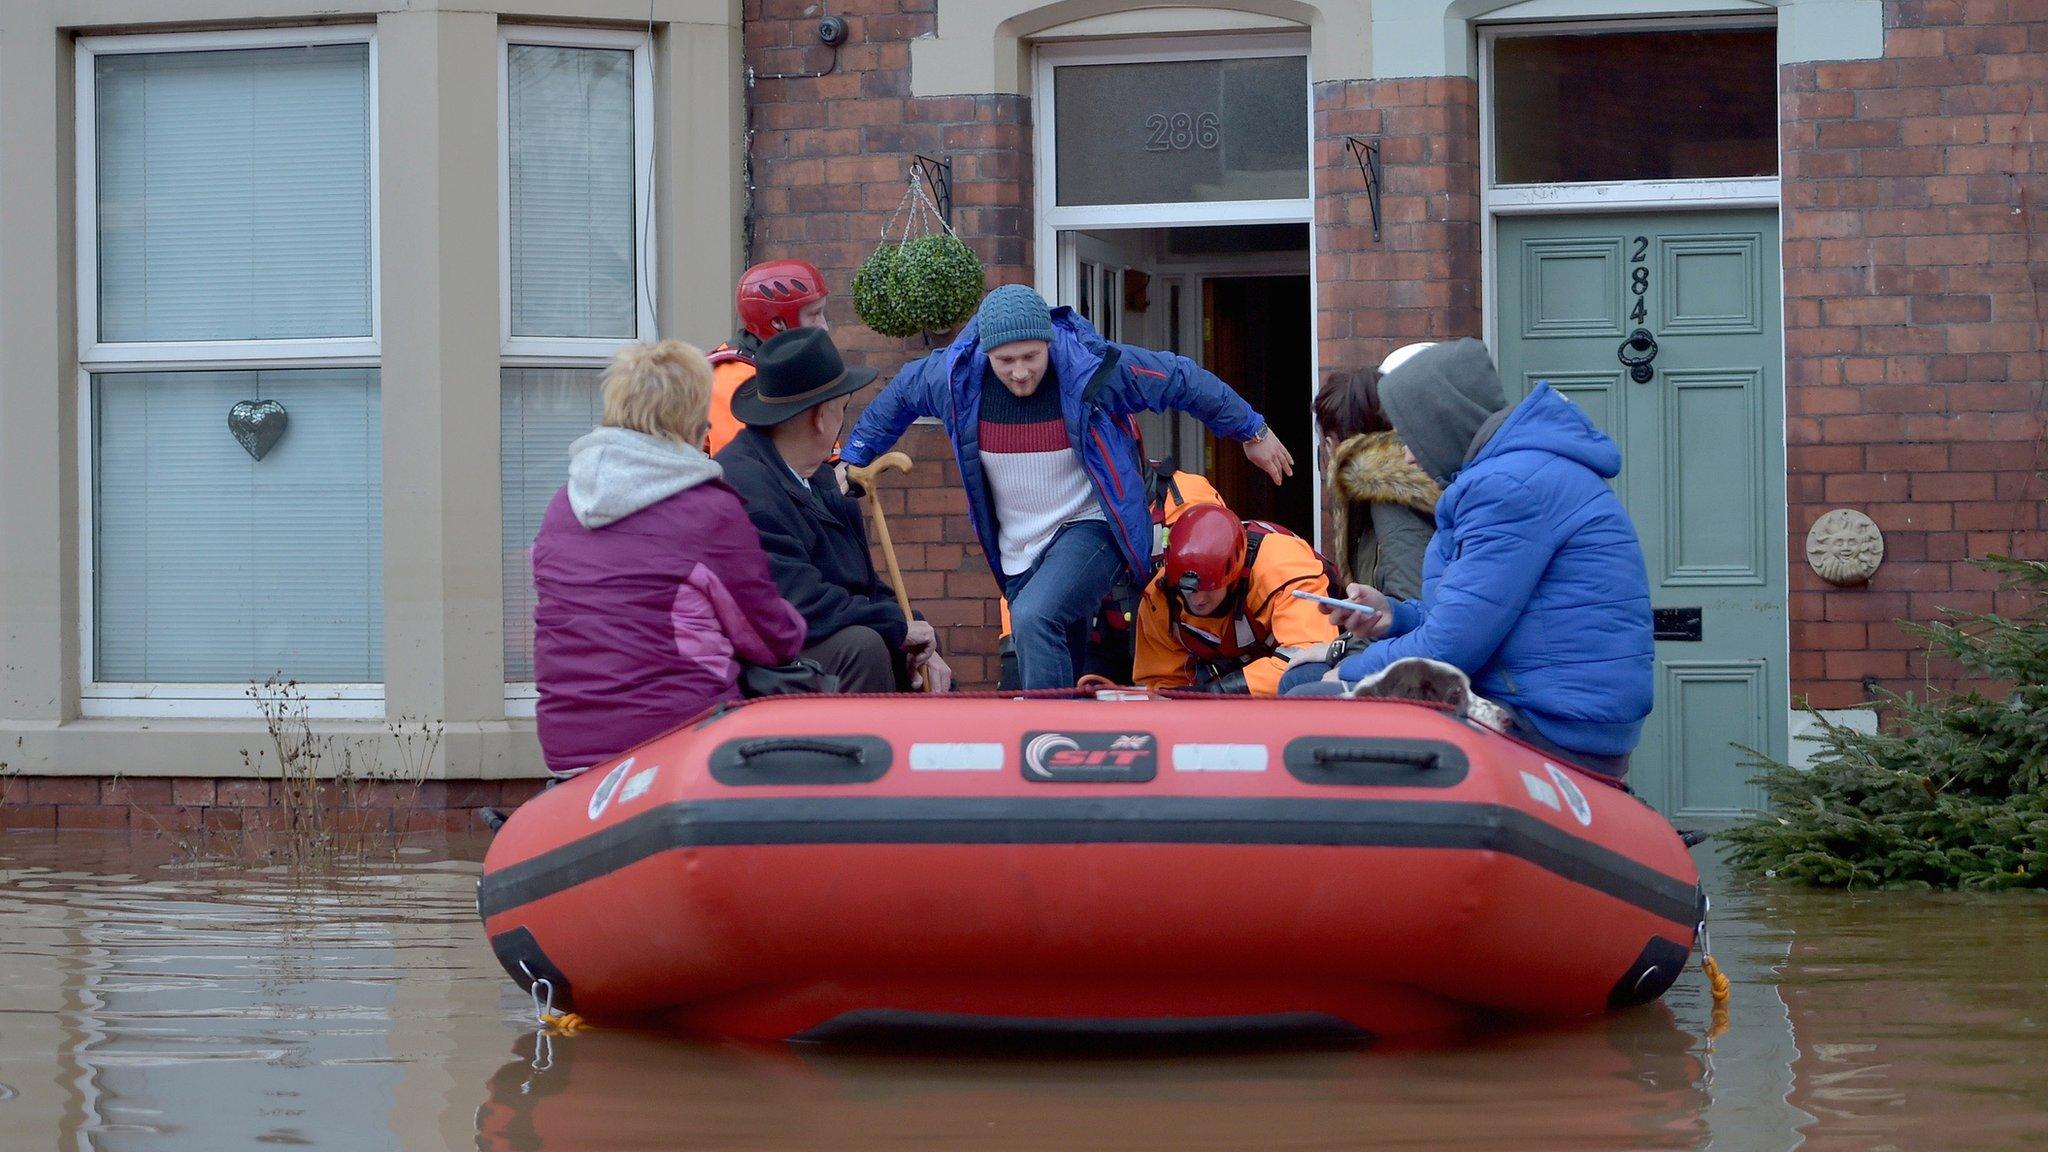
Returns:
(258, 425)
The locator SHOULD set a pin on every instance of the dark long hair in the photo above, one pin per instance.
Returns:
(1348, 404)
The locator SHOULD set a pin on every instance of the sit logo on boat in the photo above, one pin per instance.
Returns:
(1090, 757)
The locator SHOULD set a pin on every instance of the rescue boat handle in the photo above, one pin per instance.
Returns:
(753, 748)
(1367, 754)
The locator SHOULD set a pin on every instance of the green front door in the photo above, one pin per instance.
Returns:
(1665, 329)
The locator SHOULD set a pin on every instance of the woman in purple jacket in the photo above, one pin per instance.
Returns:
(651, 587)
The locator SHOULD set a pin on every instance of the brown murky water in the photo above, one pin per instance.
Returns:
(152, 1004)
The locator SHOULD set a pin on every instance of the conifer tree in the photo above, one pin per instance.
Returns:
(1951, 793)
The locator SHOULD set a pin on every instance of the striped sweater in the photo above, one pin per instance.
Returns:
(1035, 478)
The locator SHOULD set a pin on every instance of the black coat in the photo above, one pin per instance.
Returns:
(816, 542)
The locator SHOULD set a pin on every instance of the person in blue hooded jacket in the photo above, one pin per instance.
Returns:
(1037, 406)
(1534, 584)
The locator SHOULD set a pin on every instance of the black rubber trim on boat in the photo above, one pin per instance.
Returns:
(1377, 760)
(893, 1027)
(1063, 820)
(524, 961)
(1653, 972)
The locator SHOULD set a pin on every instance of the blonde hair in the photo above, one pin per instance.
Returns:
(660, 389)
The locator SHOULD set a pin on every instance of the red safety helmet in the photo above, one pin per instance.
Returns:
(772, 294)
(1205, 549)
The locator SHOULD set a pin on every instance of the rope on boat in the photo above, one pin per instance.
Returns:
(552, 1023)
(1717, 980)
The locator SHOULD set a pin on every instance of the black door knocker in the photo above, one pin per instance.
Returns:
(1637, 352)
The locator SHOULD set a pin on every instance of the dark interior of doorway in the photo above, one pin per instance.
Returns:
(1236, 299)
(1255, 335)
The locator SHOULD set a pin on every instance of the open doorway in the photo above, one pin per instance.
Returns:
(1236, 300)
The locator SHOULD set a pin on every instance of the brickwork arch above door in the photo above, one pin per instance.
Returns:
(1434, 37)
(982, 44)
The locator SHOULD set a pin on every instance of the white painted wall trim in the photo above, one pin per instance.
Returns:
(1435, 37)
(983, 46)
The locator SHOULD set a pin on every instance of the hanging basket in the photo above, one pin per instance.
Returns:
(925, 280)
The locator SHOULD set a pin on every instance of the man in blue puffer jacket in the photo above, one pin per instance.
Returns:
(1534, 584)
(1037, 406)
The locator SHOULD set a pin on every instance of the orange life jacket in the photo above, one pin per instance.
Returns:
(730, 368)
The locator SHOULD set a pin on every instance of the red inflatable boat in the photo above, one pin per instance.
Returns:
(810, 868)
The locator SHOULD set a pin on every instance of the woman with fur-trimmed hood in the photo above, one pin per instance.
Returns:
(1385, 507)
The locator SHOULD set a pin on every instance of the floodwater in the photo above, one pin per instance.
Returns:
(148, 1003)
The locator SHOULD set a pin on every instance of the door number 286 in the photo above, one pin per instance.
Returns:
(1181, 131)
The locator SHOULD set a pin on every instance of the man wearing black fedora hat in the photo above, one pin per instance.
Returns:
(817, 544)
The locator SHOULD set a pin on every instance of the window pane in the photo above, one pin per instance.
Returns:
(1188, 130)
(541, 411)
(211, 566)
(234, 194)
(1637, 106)
(570, 163)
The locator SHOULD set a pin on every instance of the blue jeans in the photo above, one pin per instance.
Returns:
(1301, 675)
(1052, 601)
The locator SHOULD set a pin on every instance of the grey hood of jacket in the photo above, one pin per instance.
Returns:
(1439, 400)
(615, 472)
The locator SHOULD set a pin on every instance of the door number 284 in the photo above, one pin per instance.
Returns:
(1639, 277)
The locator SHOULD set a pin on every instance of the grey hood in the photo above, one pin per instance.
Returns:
(1439, 400)
(615, 472)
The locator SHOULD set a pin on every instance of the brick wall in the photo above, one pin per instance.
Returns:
(830, 159)
(1421, 280)
(183, 809)
(1915, 261)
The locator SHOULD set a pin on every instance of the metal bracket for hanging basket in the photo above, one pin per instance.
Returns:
(1367, 153)
(938, 176)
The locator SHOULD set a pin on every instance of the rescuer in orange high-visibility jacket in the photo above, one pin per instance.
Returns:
(1218, 616)
(773, 297)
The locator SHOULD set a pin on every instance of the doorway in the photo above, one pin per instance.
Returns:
(1235, 300)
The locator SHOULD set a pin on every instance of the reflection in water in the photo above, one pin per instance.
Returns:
(147, 1005)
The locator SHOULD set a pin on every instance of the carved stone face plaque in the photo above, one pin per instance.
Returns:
(1845, 547)
(258, 425)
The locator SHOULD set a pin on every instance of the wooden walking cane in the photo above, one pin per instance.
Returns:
(865, 476)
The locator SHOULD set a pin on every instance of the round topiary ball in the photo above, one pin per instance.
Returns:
(936, 282)
(872, 301)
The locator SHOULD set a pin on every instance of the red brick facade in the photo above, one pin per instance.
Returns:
(1912, 262)
(1421, 279)
(1914, 269)
(830, 156)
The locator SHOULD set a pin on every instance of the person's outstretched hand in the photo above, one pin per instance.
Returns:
(1271, 457)
(1371, 624)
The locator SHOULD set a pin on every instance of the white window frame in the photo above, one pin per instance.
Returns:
(522, 696)
(1054, 218)
(90, 348)
(1497, 200)
(561, 351)
(142, 699)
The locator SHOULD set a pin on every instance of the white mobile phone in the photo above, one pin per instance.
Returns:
(1332, 601)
